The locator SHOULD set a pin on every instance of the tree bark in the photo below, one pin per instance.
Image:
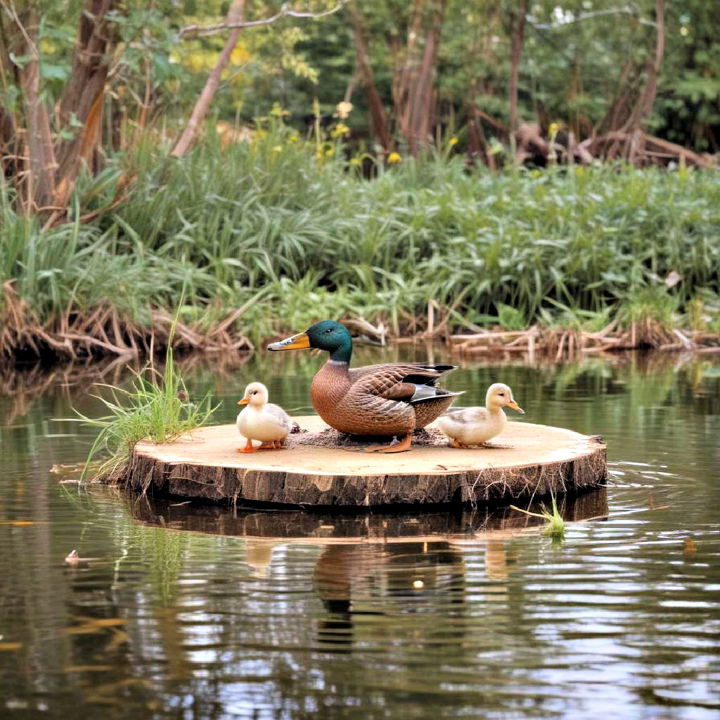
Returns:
(643, 108)
(423, 101)
(40, 151)
(413, 87)
(85, 92)
(517, 34)
(378, 116)
(234, 16)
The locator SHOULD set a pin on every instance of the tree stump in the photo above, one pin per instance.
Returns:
(526, 460)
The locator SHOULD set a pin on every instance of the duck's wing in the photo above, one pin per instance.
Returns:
(428, 372)
(408, 382)
(276, 415)
(467, 416)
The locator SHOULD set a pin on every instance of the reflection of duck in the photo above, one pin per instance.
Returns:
(477, 425)
(385, 399)
(498, 564)
(379, 579)
(258, 555)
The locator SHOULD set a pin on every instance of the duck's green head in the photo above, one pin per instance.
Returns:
(324, 335)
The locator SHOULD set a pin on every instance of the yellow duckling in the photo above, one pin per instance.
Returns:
(262, 420)
(477, 425)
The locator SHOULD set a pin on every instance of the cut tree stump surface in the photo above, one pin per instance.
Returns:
(528, 460)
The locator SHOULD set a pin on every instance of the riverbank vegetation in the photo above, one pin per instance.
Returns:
(266, 238)
(422, 169)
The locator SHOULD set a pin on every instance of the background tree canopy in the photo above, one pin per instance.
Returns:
(582, 64)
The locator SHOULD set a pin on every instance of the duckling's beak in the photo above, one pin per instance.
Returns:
(244, 401)
(301, 341)
(512, 404)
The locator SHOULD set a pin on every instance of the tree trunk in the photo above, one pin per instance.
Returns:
(234, 16)
(423, 101)
(9, 162)
(643, 108)
(40, 152)
(378, 116)
(413, 87)
(85, 92)
(517, 34)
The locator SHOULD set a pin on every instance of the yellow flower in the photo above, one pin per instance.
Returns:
(453, 141)
(393, 158)
(330, 151)
(339, 130)
(355, 162)
(294, 138)
(553, 129)
(278, 111)
(277, 148)
(343, 109)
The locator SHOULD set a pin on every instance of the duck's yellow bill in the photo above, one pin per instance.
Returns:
(512, 404)
(244, 401)
(296, 342)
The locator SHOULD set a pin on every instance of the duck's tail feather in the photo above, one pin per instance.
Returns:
(421, 396)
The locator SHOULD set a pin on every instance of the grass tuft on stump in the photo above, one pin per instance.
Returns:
(157, 408)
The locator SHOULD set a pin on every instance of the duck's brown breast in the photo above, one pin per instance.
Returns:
(328, 388)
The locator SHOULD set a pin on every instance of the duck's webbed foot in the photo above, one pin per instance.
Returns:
(394, 447)
(457, 444)
(248, 447)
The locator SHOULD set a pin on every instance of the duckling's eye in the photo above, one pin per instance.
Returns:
(501, 394)
(329, 330)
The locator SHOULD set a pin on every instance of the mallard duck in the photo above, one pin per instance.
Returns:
(386, 399)
(477, 425)
(262, 420)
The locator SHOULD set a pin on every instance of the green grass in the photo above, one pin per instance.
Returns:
(554, 523)
(156, 408)
(294, 239)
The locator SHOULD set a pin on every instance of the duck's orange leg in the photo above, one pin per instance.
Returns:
(401, 446)
(248, 447)
(457, 444)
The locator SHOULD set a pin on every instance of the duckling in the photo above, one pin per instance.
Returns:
(477, 425)
(262, 420)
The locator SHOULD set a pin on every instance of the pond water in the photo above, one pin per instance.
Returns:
(184, 611)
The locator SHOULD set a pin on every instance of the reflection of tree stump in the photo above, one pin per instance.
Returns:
(533, 460)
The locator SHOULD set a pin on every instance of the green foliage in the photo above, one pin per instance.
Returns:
(270, 226)
(157, 408)
(510, 318)
(652, 303)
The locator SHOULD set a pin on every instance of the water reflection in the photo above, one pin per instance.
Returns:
(386, 580)
(323, 527)
(183, 611)
(382, 565)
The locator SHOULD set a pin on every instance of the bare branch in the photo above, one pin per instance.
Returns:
(204, 30)
(590, 16)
